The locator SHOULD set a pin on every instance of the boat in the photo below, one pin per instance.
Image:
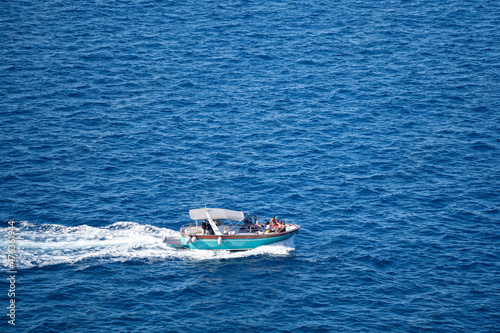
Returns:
(225, 231)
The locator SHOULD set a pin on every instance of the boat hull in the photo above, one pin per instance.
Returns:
(229, 242)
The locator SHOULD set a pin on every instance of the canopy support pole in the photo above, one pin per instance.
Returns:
(215, 228)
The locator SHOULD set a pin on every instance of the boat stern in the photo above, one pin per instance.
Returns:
(175, 242)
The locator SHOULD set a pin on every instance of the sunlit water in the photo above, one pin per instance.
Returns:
(373, 125)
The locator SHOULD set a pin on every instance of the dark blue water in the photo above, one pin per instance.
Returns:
(375, 125)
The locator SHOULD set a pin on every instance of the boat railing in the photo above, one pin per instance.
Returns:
(196, 229)
(193, 229)
(287, 221)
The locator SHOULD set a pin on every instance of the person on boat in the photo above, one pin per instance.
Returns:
(276, 224)
(210, 229)
(282, 227)
(257, 224)
(273, 225)
(204, 226)
(258, 227)
(248, 220)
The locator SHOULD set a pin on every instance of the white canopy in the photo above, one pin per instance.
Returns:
(215, 213)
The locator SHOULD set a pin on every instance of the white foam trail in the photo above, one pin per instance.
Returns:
(51, 244)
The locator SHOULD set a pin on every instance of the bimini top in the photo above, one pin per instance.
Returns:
(215, 213)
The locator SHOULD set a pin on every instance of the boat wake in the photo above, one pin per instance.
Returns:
(51, 244)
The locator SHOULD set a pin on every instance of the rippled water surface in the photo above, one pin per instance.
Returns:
(373, 125)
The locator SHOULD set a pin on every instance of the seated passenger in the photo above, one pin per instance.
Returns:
(273, 225)
(282, 227)
(258, 225)
(268, 227)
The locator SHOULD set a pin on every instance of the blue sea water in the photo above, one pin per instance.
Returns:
(375, 125)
